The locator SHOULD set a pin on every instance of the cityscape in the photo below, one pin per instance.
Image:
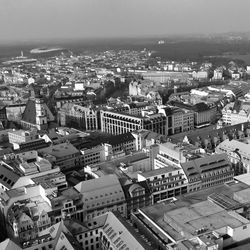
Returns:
(124, 125)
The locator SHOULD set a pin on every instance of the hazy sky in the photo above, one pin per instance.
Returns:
(34, 19)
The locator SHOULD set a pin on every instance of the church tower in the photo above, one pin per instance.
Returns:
(41, 113)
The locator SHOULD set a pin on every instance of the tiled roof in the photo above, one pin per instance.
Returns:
(209, 132)
(8, 177)
(29, 114)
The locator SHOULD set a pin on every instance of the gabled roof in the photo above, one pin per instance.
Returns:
(9, 245)
(99, 183)
(128, 188)
(125, 234)
(8, 177)
(29, 114)
(209, 132)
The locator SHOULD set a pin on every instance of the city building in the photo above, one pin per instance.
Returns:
(118, 123)
(218, 73)
(8, 177)
(3, 116)
(145, 138)
(64, 155)
(137, 194)
(17, 137)
(238, 153)
(101, 195)
(165, 183)
(36, 115)
(207, 171)
(77, 116)
(178, 119)
(189, 225)
(200, 75)
(204, 114)
(233, 114)
(119, 234)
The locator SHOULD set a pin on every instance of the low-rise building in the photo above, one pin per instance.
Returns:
(20, 136)
(207, 171)
(145, 138)
(165, 182)
(137, 194)
(238, 153)
(118, 234)
(101, 195)
(64, 155)
(199, 224)
(73, 115)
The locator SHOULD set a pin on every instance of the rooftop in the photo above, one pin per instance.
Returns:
(185, 222)
(158, 171)
(157, 211)
(99, 183)
(60, 150)
(232, 145)
(29, 114)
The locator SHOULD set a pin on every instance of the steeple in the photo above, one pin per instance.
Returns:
(41, 113)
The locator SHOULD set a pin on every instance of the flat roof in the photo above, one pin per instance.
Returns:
(234, 144)
(158, 171)
(157, 211)
(244, 178)
(185, 222)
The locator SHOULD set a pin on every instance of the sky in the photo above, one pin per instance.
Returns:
(69, 19)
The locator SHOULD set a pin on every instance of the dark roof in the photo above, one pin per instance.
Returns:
(168, 111)
(33, 145)
(29, 114)
(241, 90)
(209, 132)
(200, 107)
(143, 184)
(8, 177)
(119, 139)
(138, 104)
(132, 231)
(5, 151)
(95, 140)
